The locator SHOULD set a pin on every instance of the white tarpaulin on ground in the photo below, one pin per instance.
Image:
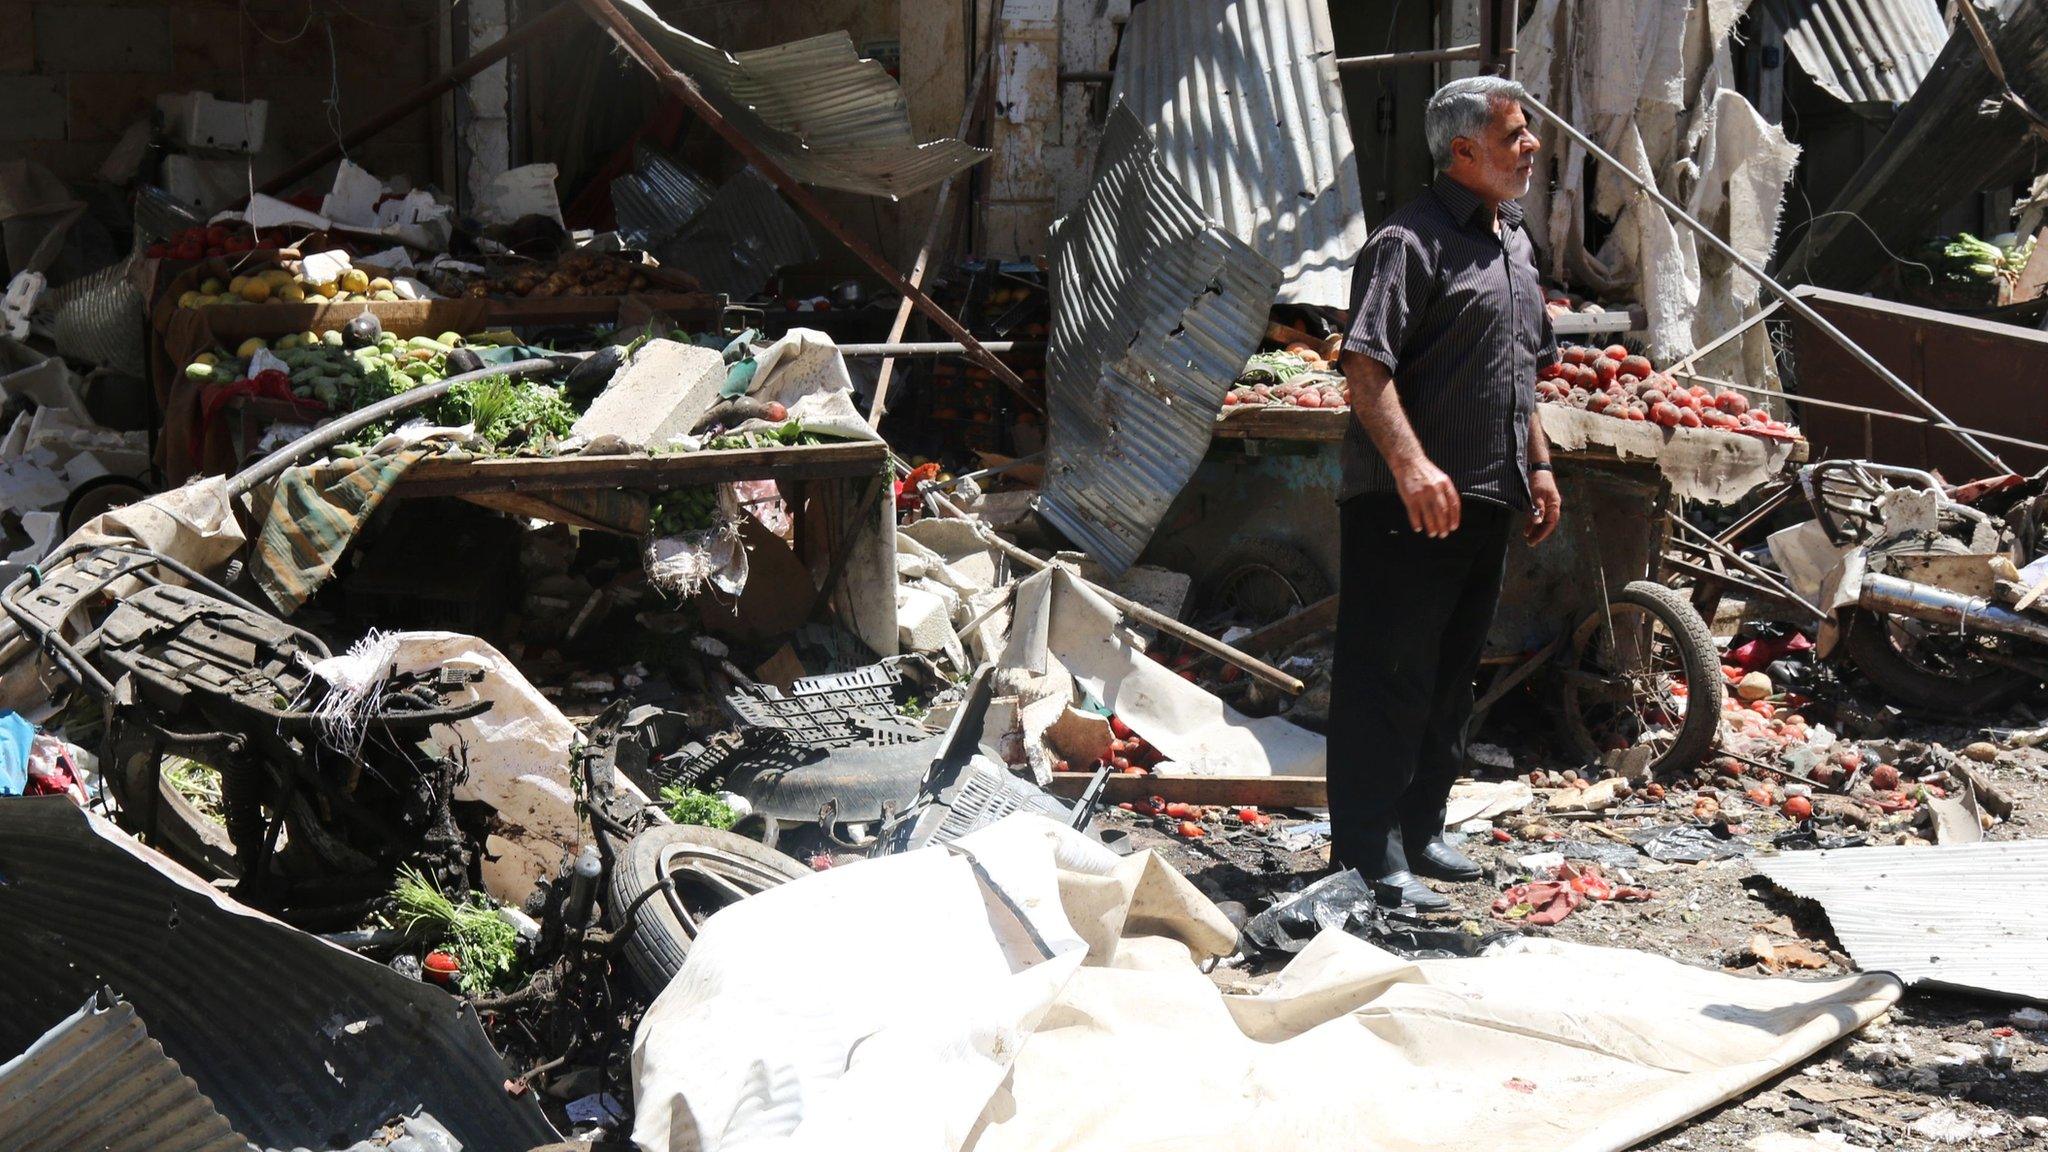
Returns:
(1057, 620)
(1653, 82)
(1033, 990)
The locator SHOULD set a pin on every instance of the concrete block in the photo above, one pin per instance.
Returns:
(101, 106)
(35, 107)
(1160, 589)
(103, 38)
(44, 530)
(657, 396)
(17, 36)
(924, 622)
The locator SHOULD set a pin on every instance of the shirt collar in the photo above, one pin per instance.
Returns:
(1464, 205)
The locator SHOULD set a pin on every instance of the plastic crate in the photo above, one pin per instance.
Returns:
(857, 707)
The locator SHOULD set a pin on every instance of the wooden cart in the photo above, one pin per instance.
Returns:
(1629, 659)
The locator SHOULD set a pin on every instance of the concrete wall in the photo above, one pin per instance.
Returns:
(74, 75)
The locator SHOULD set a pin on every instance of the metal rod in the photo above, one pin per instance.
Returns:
(932, 348)
(686, 90)
(1711, 346)
(1799, 307)
(412, 101)
(1841, 406)
(1428, 56)
(941, 205)
(334, 431)
(1895, 597)
(1131, 608)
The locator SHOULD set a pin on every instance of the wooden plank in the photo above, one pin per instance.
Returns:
(1254, 791)
(1310, 620)
(462, 476)
(1283, 422)
(683, 307)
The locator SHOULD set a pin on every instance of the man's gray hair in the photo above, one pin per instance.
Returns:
(1462, 108)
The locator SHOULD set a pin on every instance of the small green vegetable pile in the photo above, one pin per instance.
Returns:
(509, 412)
(1967, 260)
(692, 806)
(485, 945)
(683, 510)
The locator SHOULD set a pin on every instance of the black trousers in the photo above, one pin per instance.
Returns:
(1411, 625)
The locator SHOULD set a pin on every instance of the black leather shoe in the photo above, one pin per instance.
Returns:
(1439, 861)
(1398, 888)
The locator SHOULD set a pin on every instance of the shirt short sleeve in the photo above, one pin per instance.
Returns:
(1392, 284)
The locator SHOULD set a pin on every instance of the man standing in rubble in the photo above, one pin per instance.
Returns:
(1445, 458)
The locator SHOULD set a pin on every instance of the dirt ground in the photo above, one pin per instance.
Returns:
(1965, 1070)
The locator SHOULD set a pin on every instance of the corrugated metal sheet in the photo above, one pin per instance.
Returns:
(1863, 51)
(96, 1080)
(828, 117)
(298, 1043)
(1971, 916)
(657, 198)
(1241, 98)
(742, 238)
(1155, 310)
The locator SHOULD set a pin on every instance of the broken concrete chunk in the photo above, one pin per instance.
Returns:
(1160, 589)
(656, 396)
(924, 624)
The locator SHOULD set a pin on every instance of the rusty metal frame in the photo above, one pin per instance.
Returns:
(679, 85)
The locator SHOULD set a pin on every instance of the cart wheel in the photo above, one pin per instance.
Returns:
(1645, 663)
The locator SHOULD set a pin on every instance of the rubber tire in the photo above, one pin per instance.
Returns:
(1288, 561)
(1705, 691)
(656, 949)
(1865, 644)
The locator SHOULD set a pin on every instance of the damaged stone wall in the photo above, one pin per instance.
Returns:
(74, 77)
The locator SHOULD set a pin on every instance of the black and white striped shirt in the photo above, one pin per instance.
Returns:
(1455, 313)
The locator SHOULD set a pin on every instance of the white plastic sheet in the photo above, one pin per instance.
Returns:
(1033, 991)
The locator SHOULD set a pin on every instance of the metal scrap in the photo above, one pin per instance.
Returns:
(295, 1041)
(744, 235)
(97, 1080)
(1242, 99)
(1862, 51)
(1155, 309)
(829, 117)
(1968, 916)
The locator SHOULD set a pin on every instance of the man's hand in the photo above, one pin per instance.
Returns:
(1548, 506)
(1431, 498)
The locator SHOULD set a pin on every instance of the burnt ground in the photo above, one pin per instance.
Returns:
(1935, 1056)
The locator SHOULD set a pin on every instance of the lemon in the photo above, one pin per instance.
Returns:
(291, 292)
(250, 347)
(380, 284)
(211, 286)
(189, 300)
(276, 277)
(355, 280)
(327, 289)
(287, 343)
(206, 358)
(255, 291)
(234, 285)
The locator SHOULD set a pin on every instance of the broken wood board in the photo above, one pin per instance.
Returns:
(1247, 791)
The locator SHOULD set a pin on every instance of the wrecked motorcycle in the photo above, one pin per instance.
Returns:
(1931, 592)
(324, 783)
